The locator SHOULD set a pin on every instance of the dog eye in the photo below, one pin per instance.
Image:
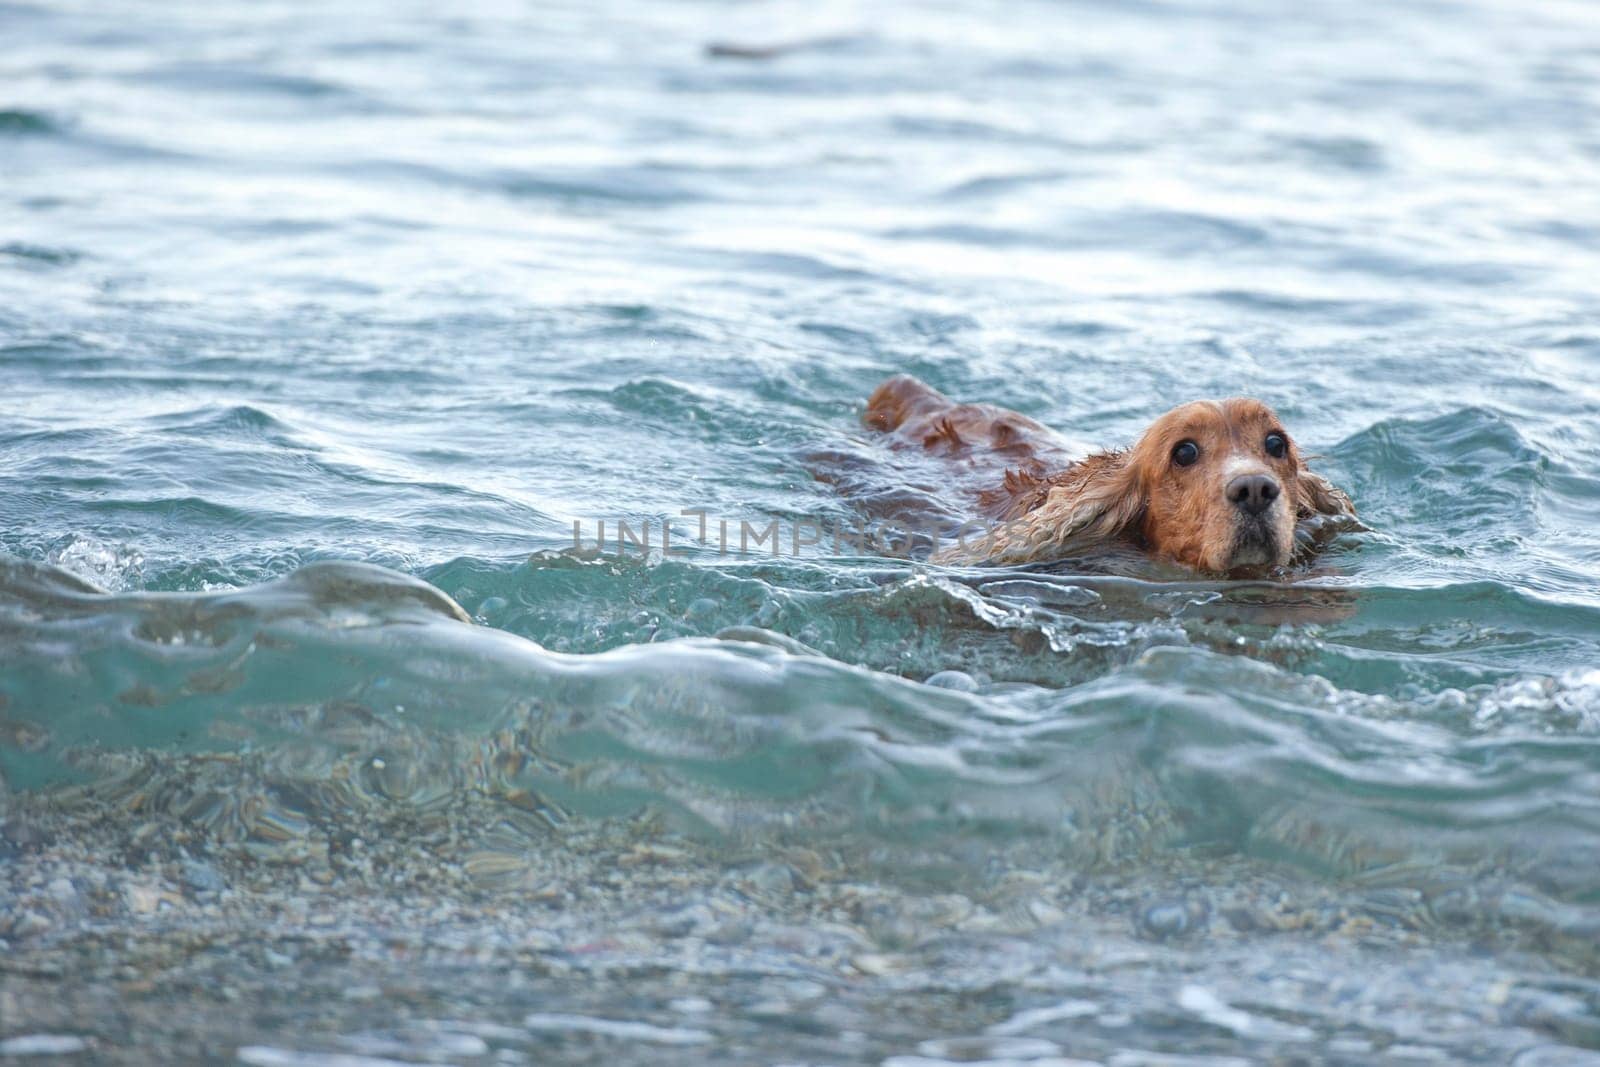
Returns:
(1277, 445)
(1185, 453)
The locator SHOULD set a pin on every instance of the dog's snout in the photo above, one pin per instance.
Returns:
(1253, 493)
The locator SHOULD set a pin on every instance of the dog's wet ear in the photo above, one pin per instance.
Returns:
(1105, 500)
(1318, 496)
(1095, 502)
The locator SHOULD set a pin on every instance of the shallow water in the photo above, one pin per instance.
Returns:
(310, 315)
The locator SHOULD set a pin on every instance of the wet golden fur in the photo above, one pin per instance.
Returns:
(1041, 504)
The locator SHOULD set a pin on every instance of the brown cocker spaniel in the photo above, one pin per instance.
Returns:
(1214, 485)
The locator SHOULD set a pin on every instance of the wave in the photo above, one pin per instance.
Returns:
(343, 685)
(18, 123)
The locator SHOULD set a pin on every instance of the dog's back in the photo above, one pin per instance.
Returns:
(1003, 458)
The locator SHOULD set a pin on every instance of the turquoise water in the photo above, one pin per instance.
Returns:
(309, 315)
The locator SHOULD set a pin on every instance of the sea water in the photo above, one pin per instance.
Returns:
(332, 725)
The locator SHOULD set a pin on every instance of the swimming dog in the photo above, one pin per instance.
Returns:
(1218, 486)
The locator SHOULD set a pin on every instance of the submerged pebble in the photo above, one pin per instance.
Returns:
(619, 1029)
(201, 877)
(42, 1045)
(1167, 919)
(960, 681)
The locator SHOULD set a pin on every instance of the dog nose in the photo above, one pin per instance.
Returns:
(1253, 493)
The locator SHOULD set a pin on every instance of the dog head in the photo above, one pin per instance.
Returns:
(1216, 486)
(1221, 485)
